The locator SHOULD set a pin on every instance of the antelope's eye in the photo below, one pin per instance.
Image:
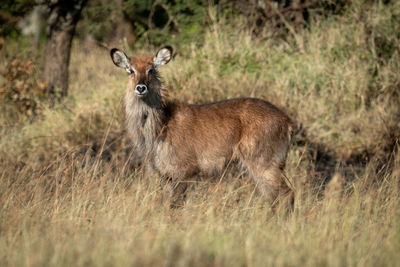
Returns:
(150, 71)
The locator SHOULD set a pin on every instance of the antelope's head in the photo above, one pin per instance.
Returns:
(143, 74)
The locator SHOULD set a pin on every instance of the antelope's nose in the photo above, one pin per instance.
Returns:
(141, 89)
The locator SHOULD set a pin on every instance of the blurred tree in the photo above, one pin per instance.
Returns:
(63, 17)
(106, 32)
(281, 16)
(11, 12)
(33, 23)
(159, 22)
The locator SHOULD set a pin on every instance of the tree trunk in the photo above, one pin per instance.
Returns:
(123, 29)
(64, 16)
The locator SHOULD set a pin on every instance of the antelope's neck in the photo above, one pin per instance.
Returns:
(144, 123)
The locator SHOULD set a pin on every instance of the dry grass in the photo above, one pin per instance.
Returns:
(69, 195)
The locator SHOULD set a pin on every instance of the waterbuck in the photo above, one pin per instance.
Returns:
(183, 141)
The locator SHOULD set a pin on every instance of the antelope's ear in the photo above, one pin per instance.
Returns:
(120, 59)
(163, 56)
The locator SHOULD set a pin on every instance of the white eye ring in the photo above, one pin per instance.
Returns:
(130, 70)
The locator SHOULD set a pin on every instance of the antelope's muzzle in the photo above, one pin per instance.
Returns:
(141, 90)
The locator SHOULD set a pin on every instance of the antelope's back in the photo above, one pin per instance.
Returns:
(218, 130)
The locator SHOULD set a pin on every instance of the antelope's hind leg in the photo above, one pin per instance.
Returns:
(270, 181)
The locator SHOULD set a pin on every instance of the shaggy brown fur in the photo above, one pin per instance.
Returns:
(182, 141)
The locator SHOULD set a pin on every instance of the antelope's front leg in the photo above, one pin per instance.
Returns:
(174, 192)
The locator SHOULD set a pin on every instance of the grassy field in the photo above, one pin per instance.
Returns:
(70, 196)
